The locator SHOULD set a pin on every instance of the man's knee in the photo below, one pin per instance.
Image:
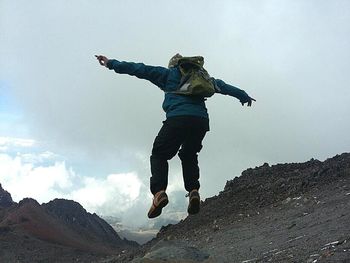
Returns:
(188, 155)
(163, 155)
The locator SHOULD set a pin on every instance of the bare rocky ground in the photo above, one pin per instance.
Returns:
(19, 248)
(296, 212)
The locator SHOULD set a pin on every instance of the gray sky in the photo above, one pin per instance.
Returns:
(88, 132)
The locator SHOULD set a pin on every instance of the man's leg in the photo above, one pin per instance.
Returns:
(165, 147)
(188, 154)
(189, 160)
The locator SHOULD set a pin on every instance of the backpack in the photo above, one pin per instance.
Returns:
(195, 79)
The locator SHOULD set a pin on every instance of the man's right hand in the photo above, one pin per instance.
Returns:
(247, 100)
(102, 60)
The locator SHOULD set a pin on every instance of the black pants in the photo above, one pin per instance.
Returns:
(186, 132)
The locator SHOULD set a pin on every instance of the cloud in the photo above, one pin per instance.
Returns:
(23, 179)
(9, 142)
(112, 195)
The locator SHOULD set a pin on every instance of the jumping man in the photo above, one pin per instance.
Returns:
(187, 122)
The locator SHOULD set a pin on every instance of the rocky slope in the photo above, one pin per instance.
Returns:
(298, 212)
(59, 231)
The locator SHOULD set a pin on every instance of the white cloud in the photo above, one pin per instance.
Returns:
(8, 142)
(23, 179)
(39, 158)
(3, 148)
(114, 194)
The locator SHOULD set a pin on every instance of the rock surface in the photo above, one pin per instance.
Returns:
(174, 251)
(60, 231)
(88, 226)
(297, 212)
(5, 198)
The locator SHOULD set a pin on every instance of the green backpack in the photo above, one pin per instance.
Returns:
(195, 79)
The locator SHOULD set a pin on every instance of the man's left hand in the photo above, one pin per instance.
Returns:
(248, 100)
(102, 60)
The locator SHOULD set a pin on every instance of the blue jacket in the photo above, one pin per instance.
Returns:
(168, 79)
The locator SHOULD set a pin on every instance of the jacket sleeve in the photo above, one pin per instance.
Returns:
(226, 89)
(155, 74)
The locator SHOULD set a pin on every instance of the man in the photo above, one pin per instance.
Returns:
(186, 124)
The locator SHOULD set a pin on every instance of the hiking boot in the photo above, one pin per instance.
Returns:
(194, 202)
(160, 200)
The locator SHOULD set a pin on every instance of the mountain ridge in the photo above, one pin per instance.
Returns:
(59, 225)
(292, 212)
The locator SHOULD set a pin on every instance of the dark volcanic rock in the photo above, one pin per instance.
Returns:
(30, 232)
(297, 212)
(73, 215)
(266, 185)
(5, 198)
(174, 251)
(28, 201)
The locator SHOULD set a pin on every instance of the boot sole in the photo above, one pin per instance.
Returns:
(158, 209)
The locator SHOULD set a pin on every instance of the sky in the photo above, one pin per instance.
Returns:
(70, 128)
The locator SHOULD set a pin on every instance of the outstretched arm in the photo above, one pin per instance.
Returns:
(156, 74)
(233, 91)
